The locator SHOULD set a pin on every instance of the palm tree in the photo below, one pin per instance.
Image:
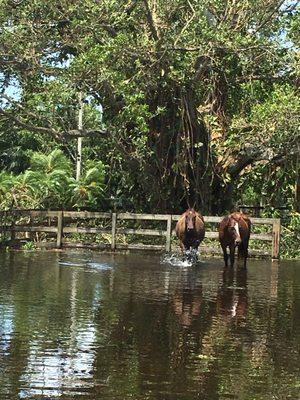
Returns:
(56, 160)
(49, 183)
(7, 181)
(54, 176)
(89, 190)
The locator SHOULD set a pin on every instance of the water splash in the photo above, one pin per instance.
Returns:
(177, 260)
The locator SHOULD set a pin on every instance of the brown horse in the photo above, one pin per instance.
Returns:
(190, 230)
(234, 231)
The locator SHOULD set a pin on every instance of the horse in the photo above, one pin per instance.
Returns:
(190, 231)
(234, 231)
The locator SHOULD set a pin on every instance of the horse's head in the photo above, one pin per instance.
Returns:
(234, 231)
(190, 220)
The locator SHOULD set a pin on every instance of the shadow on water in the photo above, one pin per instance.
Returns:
(107, 326)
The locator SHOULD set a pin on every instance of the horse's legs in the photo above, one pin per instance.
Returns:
(195, 254)
(231, 248)
(184, 251)
(225, 255)
(182, 246)
(240, 253)
(243, 252)
(190, 254)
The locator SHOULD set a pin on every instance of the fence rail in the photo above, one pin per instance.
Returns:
(12, 222)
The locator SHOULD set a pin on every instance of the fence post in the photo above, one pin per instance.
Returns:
(12, 227)
(169, 233)
(6, 230)
(113, 230)
(276, 239)
(59, 229)
(29, 235)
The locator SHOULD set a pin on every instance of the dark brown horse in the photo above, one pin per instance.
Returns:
(234, 231)
(190, 230)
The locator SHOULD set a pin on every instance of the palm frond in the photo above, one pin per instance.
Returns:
(38, 162)
(57, 160)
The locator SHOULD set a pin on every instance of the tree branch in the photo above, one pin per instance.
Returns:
(266, 20)
(253, 154)
(151, 20)
(187, 24)
(30, 126)
(264, 77)
(58, 135)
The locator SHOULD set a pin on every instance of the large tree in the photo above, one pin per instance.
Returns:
(190, 89)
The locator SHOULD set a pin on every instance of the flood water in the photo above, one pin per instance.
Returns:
(85, 325)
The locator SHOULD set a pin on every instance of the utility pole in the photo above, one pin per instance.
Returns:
(79, 140)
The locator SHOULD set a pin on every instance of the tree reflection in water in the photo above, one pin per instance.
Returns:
(125, 326)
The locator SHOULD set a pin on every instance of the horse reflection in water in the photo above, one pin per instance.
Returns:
(231, 303)
(232, 297)
(187, 299)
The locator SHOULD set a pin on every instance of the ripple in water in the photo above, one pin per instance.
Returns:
(67, 369)
(71, 264)
(98, 266)
(150, 327)
(89, 264)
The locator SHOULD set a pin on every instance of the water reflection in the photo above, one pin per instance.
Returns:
(87, 325)
(232, 296)
(188, 297)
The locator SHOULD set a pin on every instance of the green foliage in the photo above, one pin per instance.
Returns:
(49, 184)
(28, 246)
(200, 102)
(7, 181)
(89, 191)
(291, 237)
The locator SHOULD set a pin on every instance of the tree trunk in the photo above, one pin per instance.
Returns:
(181, 167)
(195, 147)
(222, 195)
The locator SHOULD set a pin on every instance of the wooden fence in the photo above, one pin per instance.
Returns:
(60, 224)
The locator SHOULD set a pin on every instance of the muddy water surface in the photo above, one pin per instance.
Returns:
(84, 325)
